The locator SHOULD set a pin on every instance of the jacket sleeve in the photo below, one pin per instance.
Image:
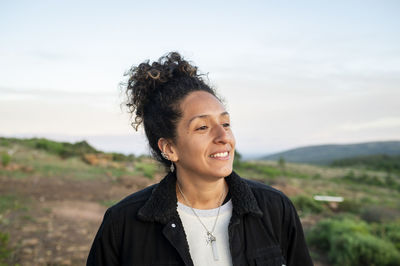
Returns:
(293, 236)
(104, 250)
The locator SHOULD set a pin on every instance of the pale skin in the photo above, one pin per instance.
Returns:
(203, 151)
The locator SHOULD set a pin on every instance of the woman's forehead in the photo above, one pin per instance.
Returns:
(201, 103)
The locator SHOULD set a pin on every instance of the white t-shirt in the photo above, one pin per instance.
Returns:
(200, 251)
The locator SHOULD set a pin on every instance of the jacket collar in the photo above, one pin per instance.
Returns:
(162, 204)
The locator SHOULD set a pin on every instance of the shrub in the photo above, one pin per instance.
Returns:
(148, 169)
(380, 162)
(237, 159)
(350, 242)
(388, 181)
(267, 171)
(362, 249)
(4, 142)
(306, 204)
(119, 157)
(379, 214)
(5, 159)
(352, 206)
(5, 251)
(389, 231)
(63, 149)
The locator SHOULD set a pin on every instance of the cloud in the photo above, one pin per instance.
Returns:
(382, 123)
(7, 91)
(48, 55)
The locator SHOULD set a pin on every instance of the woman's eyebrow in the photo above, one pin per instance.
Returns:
(204, 116)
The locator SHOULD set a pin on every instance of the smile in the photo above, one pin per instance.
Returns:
(220, 155)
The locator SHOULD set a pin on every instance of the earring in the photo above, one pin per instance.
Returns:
(164, 155)
(172, 167)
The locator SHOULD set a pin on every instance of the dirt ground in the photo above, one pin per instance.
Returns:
(60, 218)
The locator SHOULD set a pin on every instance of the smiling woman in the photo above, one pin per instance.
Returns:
(202, 212)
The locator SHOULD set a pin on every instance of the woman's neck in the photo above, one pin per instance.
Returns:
(200, 193)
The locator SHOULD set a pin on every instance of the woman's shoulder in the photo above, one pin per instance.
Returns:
(269, 198)
(262, 190)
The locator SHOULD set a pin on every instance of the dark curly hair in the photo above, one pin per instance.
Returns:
(154, 92)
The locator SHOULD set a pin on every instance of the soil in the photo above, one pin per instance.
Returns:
(60, 218)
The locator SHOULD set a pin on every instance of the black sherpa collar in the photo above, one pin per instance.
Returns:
(162, 204)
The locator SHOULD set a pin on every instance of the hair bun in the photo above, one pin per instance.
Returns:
(146, 79)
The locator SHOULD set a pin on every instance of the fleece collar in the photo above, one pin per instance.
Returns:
(162, 204)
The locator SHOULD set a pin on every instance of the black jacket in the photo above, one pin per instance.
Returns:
(145, 228)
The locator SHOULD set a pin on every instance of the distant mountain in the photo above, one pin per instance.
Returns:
(326, 154)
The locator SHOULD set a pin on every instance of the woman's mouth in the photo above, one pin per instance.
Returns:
(220, 155)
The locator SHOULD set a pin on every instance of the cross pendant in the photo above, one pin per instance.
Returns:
(212, 240)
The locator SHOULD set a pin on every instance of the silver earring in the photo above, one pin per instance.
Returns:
(164, 155)
(172, 167)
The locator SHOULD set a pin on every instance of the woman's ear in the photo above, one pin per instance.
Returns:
(168, 148)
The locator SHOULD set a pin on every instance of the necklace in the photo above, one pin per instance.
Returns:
(210, 238)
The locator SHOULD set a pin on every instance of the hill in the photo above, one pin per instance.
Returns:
(379, 162)
(326, 154)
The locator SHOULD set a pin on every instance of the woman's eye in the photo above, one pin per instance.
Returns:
(202, 128)
(226, 125)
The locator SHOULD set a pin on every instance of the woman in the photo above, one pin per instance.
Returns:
(202, 212)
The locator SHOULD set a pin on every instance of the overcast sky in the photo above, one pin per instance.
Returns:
(293, 73)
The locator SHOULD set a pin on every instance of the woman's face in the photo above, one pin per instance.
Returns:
(205, 144)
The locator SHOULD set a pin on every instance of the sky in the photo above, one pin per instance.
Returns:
(292, 73)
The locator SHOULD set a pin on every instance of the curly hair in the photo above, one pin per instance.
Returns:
(154, 93)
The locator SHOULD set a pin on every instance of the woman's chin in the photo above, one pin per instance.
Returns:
(223, 172)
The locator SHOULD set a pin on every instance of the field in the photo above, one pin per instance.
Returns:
(53, 198)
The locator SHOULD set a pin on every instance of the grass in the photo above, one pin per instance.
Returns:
(10, 202)
(5, 250)
(108, 203)
(148, 169)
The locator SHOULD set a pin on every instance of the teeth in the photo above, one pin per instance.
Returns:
(221, 154)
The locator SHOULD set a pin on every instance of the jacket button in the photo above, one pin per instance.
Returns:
(173, 225)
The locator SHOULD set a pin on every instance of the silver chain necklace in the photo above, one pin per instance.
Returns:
(210, 238)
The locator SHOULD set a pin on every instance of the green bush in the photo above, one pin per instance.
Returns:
(380, 162)
(5, 251)
(351, 206)
(5, 159)
(350, 242)
(362, 249)
(376, 213)
(4, 142)
(388, 181)
(10, 202)
(119, 157)
(306, 204)
(389, 231)
(63, 149)
(148, 169)
(265, 170)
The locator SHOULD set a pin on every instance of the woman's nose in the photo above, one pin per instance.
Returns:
(222, 134)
